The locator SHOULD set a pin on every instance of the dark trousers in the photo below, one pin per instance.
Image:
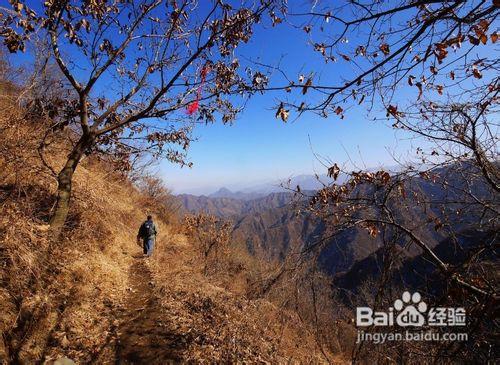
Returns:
(148, 245)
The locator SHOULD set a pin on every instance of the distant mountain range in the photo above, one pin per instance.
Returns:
(231, 207)
(226, 193)
(258, 190)
(227, 203)
(306, 182)
(268, 225)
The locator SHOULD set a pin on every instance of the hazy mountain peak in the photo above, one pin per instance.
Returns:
(226, 193)
(222, 193)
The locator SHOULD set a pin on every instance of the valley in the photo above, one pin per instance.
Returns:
(269, 226)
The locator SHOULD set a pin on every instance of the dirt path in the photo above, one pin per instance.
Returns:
(144, 334)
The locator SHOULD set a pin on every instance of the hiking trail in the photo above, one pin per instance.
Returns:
(142, 333)
(171, 313)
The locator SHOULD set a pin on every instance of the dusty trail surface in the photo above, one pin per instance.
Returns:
(143, 336)
(171, 313)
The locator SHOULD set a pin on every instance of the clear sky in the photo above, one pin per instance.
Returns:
(259, 148)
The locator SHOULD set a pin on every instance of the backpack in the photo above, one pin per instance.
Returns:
(148, 229)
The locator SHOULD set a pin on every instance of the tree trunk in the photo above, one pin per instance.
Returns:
(64, 180)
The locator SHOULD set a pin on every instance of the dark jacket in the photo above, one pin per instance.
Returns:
(146, 233)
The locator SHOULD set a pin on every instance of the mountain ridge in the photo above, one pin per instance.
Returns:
(268, 226)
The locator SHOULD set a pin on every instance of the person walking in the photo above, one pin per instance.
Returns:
(147, 232)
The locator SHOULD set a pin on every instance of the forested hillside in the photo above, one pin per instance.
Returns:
(362, 137)
(91, 297)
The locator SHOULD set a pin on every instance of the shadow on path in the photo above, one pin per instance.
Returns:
(145, 334)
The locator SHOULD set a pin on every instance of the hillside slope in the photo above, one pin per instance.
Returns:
(91, 297)
(269, 226)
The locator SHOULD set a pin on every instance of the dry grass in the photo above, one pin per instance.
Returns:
(71, 298)
(225, 326)
(57, 299)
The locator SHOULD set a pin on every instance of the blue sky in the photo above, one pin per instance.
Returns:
(259, 148)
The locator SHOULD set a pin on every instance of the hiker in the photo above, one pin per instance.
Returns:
(147, 233)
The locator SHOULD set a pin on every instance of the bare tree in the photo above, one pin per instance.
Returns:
(159, 198)
(212, 235)
(138, 69)
(429, 46)
(433, 47)
(430, 67)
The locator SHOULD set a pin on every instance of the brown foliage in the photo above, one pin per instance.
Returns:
(211, 236)
(158, 199)
(412, 37)
(153, 86)
(79, 297)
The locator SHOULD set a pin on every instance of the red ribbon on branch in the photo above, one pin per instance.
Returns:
(194, 105)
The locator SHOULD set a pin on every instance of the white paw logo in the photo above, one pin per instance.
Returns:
(413, 306)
